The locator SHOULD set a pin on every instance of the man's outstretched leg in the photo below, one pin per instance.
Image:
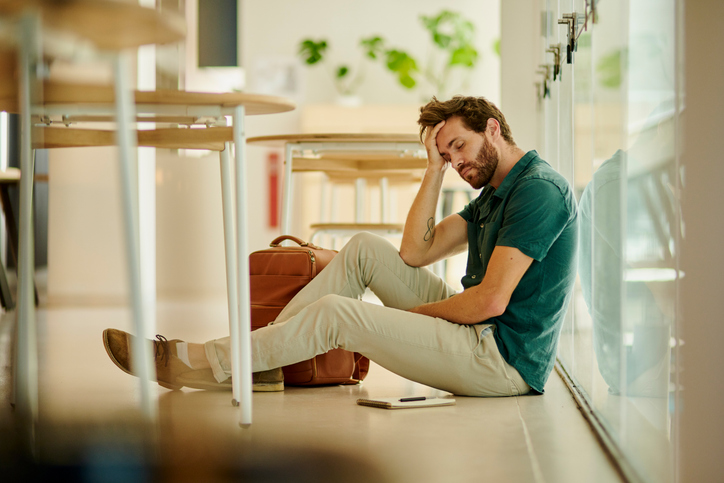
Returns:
(180, 364)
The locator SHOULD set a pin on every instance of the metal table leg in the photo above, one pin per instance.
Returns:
(142, 353)
(287, 196)
(26, 387)
(227, 201)
(241, 341)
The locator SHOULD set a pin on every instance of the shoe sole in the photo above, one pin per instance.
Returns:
(195, 383)
(227, 386)
(272, 387)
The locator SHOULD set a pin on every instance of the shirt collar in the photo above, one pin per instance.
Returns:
(510, 178)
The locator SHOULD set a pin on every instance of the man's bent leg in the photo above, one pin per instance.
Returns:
(367, 260)
(427, 350)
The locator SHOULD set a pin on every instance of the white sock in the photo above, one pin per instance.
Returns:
(182, 350)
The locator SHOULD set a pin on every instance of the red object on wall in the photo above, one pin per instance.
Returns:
(273, 167)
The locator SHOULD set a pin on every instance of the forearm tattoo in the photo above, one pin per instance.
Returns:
(430, 233)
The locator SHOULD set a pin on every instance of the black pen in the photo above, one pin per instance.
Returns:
(410, 399)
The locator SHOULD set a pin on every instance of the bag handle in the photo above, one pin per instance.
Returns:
(278, 241)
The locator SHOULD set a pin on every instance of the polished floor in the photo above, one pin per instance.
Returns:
(88, 427)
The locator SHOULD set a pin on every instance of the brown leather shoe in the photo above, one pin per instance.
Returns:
(169, 368)
(172, 373)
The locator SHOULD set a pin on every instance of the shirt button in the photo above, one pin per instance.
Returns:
(473, 276)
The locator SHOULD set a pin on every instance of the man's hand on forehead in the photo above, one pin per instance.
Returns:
(434, 159)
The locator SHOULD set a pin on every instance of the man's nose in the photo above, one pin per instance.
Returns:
(456, 161)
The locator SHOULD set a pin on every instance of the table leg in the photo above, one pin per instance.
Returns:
(26, 387)
(360, 194)
(241, 343)
(288, 188)
(227, 202)
(142, 354)
(384, 200)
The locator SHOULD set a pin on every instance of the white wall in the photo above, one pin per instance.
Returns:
(521, 38)
(273, 28)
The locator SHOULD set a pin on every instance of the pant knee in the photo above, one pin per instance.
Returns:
(365, 244)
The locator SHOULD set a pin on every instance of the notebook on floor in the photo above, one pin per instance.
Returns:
(406, 402)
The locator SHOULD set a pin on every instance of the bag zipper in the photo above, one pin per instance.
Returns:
(313, 260)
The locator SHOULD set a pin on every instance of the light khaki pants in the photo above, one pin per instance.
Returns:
(329, 314)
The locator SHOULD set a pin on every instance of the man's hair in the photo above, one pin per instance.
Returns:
(474, 111)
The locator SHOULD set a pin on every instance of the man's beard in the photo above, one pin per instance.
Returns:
(483, 168)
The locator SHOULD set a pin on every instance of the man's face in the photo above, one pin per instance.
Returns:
(469, 153)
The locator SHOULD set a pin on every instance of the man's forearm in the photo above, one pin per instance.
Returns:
(465, 308)
(490, 298)
(419, 231)
(472, 306)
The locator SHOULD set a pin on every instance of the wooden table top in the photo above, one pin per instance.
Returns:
(282, 139)
(108, 25)
(212, 138)
(339, 165)
(358, 163)
(354, 158)
(57, 94)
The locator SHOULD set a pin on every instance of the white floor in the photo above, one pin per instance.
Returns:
(88, 417)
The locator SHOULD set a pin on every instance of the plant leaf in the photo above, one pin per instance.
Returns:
(342, 71)
(449, 30)
(464, 56)
(407, 81)
(373, 46)
(442, 40)
(609, 68)
(403, 65)
(312, 52)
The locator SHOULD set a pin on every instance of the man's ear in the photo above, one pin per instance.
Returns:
(493, 127)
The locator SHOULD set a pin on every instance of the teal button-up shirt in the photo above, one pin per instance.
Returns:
(533, 210)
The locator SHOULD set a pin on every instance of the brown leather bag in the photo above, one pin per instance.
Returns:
(277, 274)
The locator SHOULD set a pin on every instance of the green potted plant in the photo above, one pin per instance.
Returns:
(452, 51)
(346, 79)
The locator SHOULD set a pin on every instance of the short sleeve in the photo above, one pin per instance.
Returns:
(535, 215)
(467, 212)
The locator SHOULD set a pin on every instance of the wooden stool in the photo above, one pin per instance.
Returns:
(385, 227)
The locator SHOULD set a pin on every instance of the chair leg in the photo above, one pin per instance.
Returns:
(6, 298)
(11, 226)
(12, 234)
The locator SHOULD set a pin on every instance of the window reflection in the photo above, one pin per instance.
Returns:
(626, 262)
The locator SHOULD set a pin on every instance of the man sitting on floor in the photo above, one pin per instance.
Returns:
(498, 337)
